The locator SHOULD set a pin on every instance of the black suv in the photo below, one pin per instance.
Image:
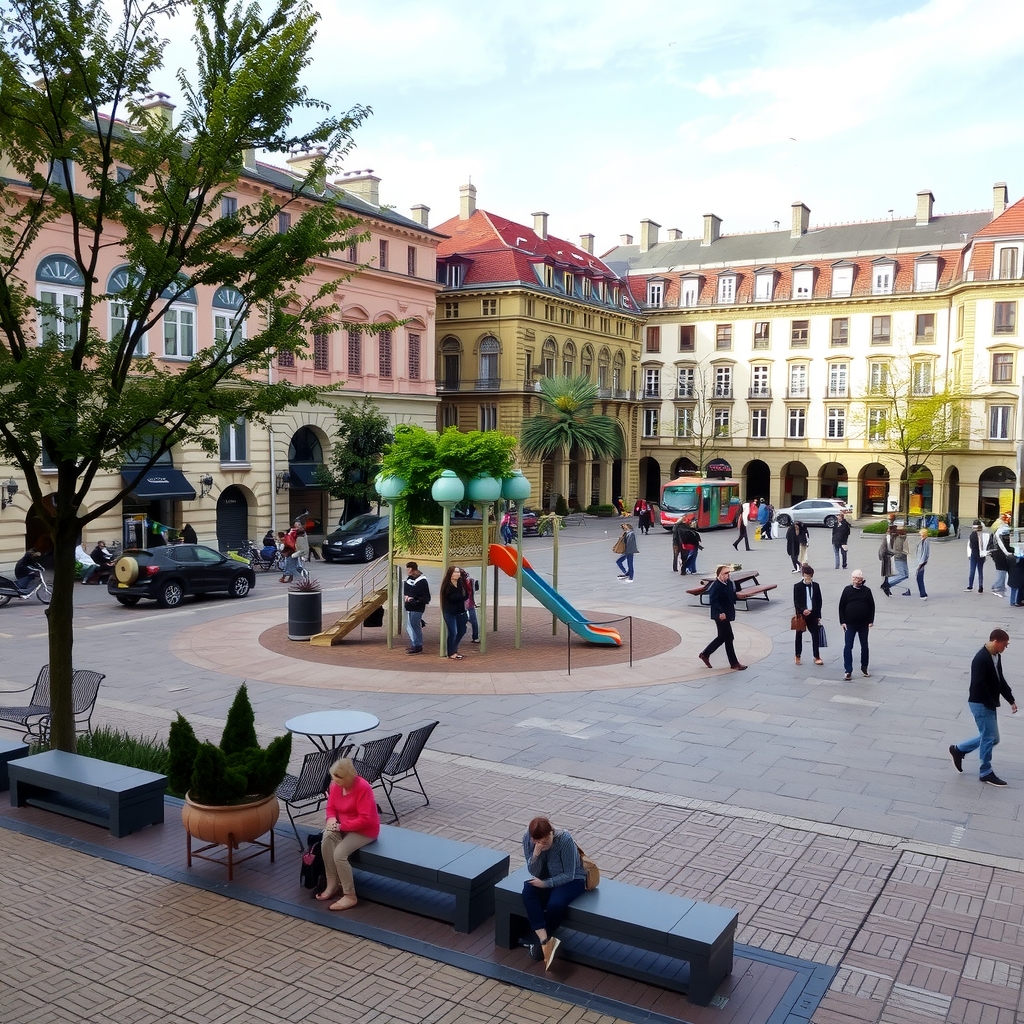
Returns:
(166, 574)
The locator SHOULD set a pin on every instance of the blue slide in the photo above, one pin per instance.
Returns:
(505, 559)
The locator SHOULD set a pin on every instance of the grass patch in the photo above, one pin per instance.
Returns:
(105, 744)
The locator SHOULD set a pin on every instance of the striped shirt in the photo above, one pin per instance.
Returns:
(558, 864)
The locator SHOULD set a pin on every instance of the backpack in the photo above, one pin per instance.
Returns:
(312, 874)
(992, 543)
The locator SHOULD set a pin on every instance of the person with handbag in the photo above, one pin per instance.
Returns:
(807, 605)
(557, 878)
(626, 547)
(722, 597)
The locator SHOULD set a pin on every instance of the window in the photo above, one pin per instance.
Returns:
(355, 352)
(569, 284)
(798, 333)
(838, 380)
(797, 425)
(759, 423)
(1005, 321)
(62, 175)
(228, 323)
(620, 328)
(451, 353)
(764, 287)
(531, 307)
(652, 383)
(836, 422)
(488, 307)
(60, 297)
(489, 352)
(921, 378)
(759, 381)
(653, 339)
(1002, 368)
(925, 332)
(803, 283)
(588, 287)
(684, 422)
(686, 338)
(180, 332)
(650, 422)
(727, 288)
(762, 334)
(881, 330)
(840, 332)
(548, 274)
(1007, 264)
(353, 253)
(882, 279)
(232, 440)
(450, 416)
(322, 352)
(488, 417)
(606, 325)
(414, 357)
(410, 261)
(284, 223)
(959, 322)
(228, 207)
(878, 378)
(382, 261)
(690, 291)
(453, 275)
(118, 283)
(384, 354)
(722, 419)
(123, 175)
(684, 382)
(926, 275)
(876, 425)
(842, 282)
(999, 422)
(798, 380)
(451, 310)
(286, 360)
(723, 382)
(655, 293)
(723, 337)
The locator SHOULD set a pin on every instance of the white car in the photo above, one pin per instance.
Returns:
(813, 512)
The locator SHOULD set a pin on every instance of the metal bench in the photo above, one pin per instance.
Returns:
(425, 866)
(665, 940)
(119, 798)
(754, 593)
(10, 751)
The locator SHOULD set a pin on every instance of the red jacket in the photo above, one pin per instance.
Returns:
(356, 810)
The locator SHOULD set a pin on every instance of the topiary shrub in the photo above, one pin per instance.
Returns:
(880, 527)
(561, 508)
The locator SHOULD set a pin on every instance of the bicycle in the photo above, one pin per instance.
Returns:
(257, 560)
(9, 588)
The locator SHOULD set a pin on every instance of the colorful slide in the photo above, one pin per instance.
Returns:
(505, 558)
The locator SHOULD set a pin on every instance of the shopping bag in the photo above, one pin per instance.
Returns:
(822, 639)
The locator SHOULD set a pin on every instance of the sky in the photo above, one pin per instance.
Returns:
(603, 114)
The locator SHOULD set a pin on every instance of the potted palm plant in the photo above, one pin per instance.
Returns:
(305, 609)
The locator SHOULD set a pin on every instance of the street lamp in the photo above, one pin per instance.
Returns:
(447, 490)
(10, 489)
(483, 490)
(391, 488)
(517, 488)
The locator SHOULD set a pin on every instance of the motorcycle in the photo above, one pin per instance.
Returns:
(34, 584)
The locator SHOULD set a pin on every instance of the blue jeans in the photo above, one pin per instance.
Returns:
(456, 627)
(987, 738)
(848, 638)
(902, 572)
(979, 564)
(545, 908)
(474, 622)
(840, 554)
(414, 629)
(920, 582)
(1000, 581)
(625, 564)
(691, 562)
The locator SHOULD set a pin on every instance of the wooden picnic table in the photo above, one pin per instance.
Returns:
(748, 587)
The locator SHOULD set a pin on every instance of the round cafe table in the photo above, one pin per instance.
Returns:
(330, 729)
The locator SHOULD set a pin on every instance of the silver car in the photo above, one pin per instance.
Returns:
(813, 512)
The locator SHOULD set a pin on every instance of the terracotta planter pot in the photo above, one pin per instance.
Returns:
(234, 824)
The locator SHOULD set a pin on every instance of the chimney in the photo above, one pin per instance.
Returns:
(925, 200)
(625, 239)
(801, 218)
(675, 235)
(587, 243)
(1000, 198)
(158, 110)
(249, 159)
(467, 201)
(363, 184)
(712, 228)
(301, 163)
(648, 235)
(540, 223)
(421, 214)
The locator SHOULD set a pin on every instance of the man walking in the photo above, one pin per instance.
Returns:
(999, 547)
(416, 592)
(722, 596)
(976, 553)
(987, 686)
(856, 616)
(841, 539)
(741, 522)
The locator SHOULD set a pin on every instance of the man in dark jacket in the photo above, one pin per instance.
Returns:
(856, 616)
(685, 545)
(722, 596)
(987, 685)
(840, 539)
(416, 592)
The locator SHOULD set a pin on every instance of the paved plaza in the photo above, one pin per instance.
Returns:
(828, 813)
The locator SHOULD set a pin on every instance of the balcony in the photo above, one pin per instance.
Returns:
(722, 391)
(834, 393)
(685, 393)
(618, 394)
(652, 393)
(792, 393)
(448, 387)
(759, 393)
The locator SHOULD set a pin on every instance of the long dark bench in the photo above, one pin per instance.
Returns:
(419, 862)
(755, 593)
(119, 798)
(10, 751)
(655, 937)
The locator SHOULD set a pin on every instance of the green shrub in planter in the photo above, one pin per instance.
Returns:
(880, 527)
(561, 508)
(605, 511)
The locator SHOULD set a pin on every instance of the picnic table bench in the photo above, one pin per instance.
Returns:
(748, 588)
(670, 941)
(420, 862)
(119, 798)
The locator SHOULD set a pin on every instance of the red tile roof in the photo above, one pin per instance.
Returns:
(1009, 222)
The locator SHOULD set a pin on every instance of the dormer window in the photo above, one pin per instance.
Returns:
(587, 287)
(548, 274)
(454, 273)
(764, 285)
(842, 280)
(803, 282)
(883, 277)
(569, 282)
(655, 293)
(727, 287)
(599, 291)
(1009, 261)
(689, 291)
(926, 273)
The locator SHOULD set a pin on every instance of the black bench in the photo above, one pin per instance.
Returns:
(119, 798)
(755, 593)
(426, 864)
(10, 751)
(665, 940)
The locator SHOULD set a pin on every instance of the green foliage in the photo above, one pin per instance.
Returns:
(182, 750)
(602, 510)
(106, 744)
(216, 779)
(570, 422)
(240, 727)
(363, 435)
(880, 527)
(561, 506)
(420, 457)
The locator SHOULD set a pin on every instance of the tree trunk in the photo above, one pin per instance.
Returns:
(61, 637)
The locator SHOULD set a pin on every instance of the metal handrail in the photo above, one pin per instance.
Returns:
(373, 576)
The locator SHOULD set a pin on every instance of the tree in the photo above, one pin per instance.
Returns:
(363, 436)
(569, 421)
(79, 153)
(701, 432)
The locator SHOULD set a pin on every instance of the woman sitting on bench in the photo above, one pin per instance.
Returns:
(553, 859)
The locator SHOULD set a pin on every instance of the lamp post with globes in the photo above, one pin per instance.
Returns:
(391, 488)
(484, 490)
(517, 488)
(447, 490)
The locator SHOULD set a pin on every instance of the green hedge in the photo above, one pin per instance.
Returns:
(601, 510)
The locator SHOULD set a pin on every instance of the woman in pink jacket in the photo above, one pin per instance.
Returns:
(352, 822)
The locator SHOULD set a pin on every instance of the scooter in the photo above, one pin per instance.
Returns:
(9, 590)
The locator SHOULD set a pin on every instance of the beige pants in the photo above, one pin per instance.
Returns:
(336, 848)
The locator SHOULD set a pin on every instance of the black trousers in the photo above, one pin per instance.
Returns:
(725, 636)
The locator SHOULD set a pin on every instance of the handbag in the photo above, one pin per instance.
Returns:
(619, 547)
(592, 870)
(797, 623)
(822, 639)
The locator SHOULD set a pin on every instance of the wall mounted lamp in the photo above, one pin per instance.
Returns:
(282, 482)
(205, 485)
(7, 493)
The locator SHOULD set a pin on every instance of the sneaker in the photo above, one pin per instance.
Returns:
(623, 576)
(967, 590)
(981, 590)
(865, 673)
(958, 757)
(475, 640)
(924, 597)
(996, 593)
(551, 946)
(848, 676)
(414, 650)
(627, 580)
(794, 570)
(992, 779)
(906, 593)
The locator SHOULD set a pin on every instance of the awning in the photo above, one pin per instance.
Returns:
(303, 474)
(160, 482)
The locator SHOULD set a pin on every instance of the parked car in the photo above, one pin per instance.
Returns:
(169, 573)
(813, 512)
(359, 540)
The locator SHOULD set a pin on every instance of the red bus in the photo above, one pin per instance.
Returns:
(702, 503)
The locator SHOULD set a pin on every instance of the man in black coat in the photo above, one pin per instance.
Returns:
(722, 597)
(840, 539)
(856, 616)
(987, 685)
(807, 603)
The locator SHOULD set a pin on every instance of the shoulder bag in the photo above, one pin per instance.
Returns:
(797, 623)
(619, 547)
(592, 870)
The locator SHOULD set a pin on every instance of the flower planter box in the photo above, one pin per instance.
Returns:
(463, 544)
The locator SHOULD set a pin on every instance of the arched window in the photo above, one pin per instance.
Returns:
(180, 323)
(120, 281)
(587, 362)
(489, 352)
(228, 322)
(549, 353)
(60, 284)
(451, 353)
(618, 368)
(568, 359)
